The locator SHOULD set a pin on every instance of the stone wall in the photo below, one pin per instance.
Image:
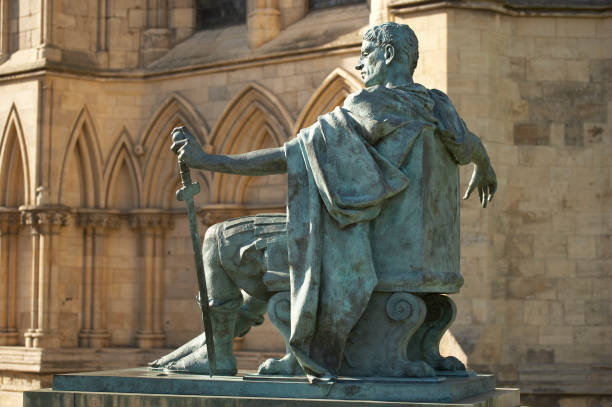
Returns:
(537, 262)
(24, 26)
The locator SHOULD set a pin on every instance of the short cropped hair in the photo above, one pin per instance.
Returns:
(401, 37)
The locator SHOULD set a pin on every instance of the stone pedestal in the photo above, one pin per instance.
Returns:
(52, 398)
(144, 387)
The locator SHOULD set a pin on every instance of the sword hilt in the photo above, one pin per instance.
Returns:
(189, 189)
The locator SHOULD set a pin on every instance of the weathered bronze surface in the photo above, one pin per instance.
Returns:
(186, 193)
(354, 274)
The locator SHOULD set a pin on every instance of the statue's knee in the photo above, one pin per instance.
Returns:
(212, 233)
(210, 245)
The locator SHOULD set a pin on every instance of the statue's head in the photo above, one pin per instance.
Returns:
(387, 47)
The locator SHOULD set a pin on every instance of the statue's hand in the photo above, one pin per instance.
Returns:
(186, 146)
(485, 180)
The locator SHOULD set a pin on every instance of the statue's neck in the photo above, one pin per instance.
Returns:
(397, 78)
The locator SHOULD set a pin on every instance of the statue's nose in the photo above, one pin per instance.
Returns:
(359, 66)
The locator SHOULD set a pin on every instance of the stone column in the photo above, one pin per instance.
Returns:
(156, 39)
(95, 223)
(152, 225)
(46, 49)
(9, 232)
(263, 21)
(45, 223)
(4, 30)
(379, 12)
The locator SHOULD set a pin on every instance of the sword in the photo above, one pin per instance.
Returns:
(186, 193)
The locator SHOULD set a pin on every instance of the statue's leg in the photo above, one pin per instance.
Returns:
(279, 310)
(225, 299)
(241, 268)
(250, 314)
(182, 351)
(425, 344)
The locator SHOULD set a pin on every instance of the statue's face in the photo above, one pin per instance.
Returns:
(372, 64)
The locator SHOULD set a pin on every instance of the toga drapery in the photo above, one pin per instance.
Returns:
(342, 172)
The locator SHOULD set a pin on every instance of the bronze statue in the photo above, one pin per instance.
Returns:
(370, 240)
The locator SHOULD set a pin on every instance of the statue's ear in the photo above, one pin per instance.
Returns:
(389, 53)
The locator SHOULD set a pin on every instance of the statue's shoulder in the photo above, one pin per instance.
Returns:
(443, 107)
(364, 95)
(440, 97)
(372, 98)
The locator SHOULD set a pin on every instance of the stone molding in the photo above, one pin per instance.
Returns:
(147, 219)
(10, 220)
(45, 219)
(508, 7)
(97, 219)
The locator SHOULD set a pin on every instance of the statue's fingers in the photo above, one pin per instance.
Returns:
(470, 189)
(177, 145)
(182, 152)
(480, 194)
(485, 197)
(492, 189)
(178, 133)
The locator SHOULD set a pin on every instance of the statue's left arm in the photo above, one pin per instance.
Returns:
(259, 162)
(465, 147)
(483, 177)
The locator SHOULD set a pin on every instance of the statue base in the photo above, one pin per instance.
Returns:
(145, 387)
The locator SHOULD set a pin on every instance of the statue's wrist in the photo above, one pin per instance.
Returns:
(200, 160)
(480, 158)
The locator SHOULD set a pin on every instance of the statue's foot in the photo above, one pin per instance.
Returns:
(448, 363)
(185, 350)
(197, 363)
(418, 369)
(286, 366)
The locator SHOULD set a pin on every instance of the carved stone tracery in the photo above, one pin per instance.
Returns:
(45, 220)
(151, 221)
(45, 223)
(95, 223)
(97, 219)
(152, 225)
(9, 228)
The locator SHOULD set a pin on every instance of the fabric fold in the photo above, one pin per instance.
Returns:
(340, 172)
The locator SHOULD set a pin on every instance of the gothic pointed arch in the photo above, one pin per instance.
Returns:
(80, 181)
(331, 93)
(159, 162)
(174, 107)
(255, 115)
(15, 186)
(122, 179)
(261, 190)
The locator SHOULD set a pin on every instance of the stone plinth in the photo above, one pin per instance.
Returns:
(53, 398)
(141, 386)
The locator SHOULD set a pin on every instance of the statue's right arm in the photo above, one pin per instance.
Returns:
(258, 162)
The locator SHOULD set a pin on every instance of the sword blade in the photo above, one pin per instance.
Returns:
(197, 251)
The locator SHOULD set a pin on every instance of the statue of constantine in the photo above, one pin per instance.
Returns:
(370, 241)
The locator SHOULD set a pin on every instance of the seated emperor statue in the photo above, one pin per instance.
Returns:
(372, 193)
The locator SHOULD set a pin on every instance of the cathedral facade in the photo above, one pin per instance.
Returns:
(96, 269)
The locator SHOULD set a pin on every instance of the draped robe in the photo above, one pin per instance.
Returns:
(344, 171)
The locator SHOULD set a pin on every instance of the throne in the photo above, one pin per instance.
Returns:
(399, 333)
